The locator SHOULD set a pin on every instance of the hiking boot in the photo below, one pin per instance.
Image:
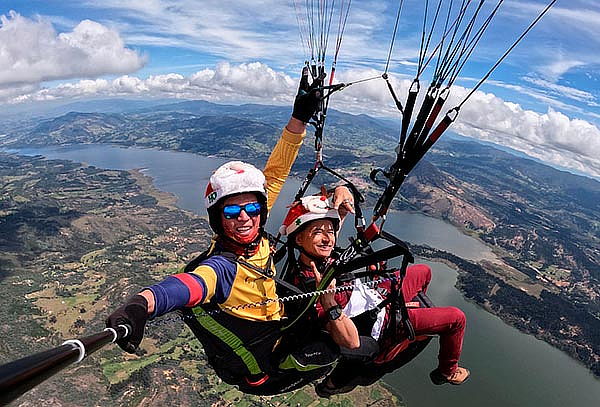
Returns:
(459, 376)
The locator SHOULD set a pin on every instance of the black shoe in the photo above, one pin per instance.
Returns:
(323, 390)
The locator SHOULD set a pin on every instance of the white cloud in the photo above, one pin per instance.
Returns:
(31, 51)
(239, 32)
(232, 31)
(552, 136)
(565, 40)
(551, 94)
(564, 91)
(582, 16)
(14, 92)
(244, 82)
(555, 69)
(268, 31)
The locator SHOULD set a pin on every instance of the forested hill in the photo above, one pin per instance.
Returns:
(201, 127)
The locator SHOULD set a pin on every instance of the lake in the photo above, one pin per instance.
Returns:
(508, 368)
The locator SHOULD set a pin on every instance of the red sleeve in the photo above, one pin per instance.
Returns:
(342, 298)
(194, 286)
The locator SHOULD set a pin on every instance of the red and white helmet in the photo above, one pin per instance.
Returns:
(234, 177)
(308, 209)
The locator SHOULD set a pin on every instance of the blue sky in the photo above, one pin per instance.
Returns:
(544, 100)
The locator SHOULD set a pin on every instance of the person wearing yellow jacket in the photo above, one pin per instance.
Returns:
(228, 295)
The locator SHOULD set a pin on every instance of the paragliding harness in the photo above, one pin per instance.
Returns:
(343, 267)
(398, 343)
(255, 355)
(345, 264)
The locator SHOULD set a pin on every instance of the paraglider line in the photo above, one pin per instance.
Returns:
(539, 17)
(393, 36)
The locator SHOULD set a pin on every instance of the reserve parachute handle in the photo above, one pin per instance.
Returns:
(22, 375)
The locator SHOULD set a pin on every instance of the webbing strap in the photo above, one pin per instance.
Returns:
(290, 362)
(408, 110)
(401, 303)
(229, 338)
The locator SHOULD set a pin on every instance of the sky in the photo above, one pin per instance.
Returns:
(543, 100)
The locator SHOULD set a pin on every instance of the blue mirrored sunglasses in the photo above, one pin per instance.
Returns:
(233, 211)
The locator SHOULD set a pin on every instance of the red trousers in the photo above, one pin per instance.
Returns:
(447, 322)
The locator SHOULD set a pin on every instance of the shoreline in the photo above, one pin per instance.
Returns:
(509, 319)
(145, 178)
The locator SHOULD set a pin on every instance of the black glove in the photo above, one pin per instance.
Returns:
(134, 313)
(308, 98)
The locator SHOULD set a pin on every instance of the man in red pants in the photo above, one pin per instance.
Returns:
(311, 225)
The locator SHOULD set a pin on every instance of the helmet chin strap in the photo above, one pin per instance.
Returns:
(247, 239)
(241, 249)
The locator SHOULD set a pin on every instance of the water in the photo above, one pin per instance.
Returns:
(425, 230)
(182, 174)
(508, 367)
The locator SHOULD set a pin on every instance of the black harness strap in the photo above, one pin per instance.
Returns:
(373, 258)
(408, 111)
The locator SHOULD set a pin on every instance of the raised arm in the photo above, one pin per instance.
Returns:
(286, 150)
(282, 158)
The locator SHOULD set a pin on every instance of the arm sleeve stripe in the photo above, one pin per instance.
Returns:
(197, 290)
(169, 294)
(208, 278)
(220, 273)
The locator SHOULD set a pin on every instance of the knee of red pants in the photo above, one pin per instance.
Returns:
(459, 318)
(422, 272)
(418, 277)
(437, 320)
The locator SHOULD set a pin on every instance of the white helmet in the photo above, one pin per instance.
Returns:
(308, 209)
(234, 177)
